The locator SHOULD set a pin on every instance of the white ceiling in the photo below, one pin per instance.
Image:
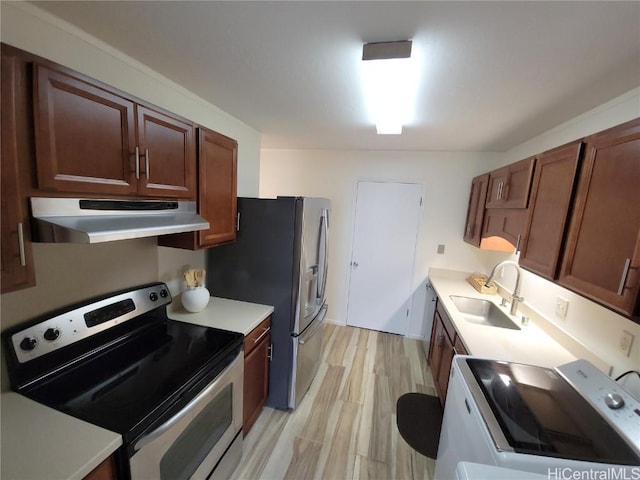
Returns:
(494, 73)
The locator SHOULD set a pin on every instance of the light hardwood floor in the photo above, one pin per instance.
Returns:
(345, 427)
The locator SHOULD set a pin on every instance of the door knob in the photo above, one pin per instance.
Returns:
(354, 264)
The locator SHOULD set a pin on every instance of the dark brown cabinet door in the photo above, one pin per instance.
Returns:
(218, 163)
(602, 257)
(509, 186)
(85, 135)
(256, 374)
(217, 194)
(435, 350)
(551, 195)
(15, 248)
(459, 348)
(440, 356)
(442, 382)
(506, 223)
(475, 210)
(166, 151)
(105, 471)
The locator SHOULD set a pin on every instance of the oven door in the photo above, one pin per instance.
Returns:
(191, 443)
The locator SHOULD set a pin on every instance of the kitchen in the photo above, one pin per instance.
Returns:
(272, 171)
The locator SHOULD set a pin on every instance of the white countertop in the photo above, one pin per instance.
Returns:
(39, 442)
(531, 344)
(222, 313)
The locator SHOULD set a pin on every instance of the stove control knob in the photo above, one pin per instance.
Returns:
(164, 293)
(613, 401)
(153, 296)
(28, 343)
(51, 334)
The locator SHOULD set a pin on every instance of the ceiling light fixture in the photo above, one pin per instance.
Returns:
(390, 77)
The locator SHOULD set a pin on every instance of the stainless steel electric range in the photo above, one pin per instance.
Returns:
(173, 390)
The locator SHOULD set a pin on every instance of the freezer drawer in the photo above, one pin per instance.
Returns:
(307, 349)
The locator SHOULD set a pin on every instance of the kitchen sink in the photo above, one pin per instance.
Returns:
(483, 312)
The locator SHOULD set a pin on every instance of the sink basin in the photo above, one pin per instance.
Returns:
(483, 312)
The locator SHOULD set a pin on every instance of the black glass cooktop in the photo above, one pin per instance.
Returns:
(541, 414)
(123, 387)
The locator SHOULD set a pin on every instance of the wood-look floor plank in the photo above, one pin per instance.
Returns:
(367, 469)
(342, 446)
(353, 390)
(337, 352)
(316, 423)
(305, 459)
(383, 409)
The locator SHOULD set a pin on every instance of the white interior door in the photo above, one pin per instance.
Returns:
(384, 244)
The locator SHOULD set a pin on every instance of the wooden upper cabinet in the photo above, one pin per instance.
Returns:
(85, 136)
(166, 155)
(509, 186)
(217, 193)
(602, 257)
(218, 163)
(92, 139)
(506, 223)
(17, 259)
(475, 210)
(551, 198)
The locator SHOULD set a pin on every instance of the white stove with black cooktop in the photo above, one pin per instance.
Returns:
(569, 422)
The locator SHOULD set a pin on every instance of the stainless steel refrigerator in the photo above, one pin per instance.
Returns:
(280, 258)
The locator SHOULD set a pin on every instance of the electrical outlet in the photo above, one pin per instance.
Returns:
(626, 341)
(562, 305)
(440, 249)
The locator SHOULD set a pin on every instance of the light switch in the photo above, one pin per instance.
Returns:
(441, 249)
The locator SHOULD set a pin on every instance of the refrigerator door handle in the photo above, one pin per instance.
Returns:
(324, 236)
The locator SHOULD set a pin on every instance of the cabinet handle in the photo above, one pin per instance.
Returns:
(23, 259)
(266, 330)
(146, 162)
(270, 352)
(499, 196)
(625, 272)
(137, 163)
(238, 222)
(518, 244)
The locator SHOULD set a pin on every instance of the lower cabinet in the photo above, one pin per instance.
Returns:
(257, 354)
(105, 471)
(445, 343)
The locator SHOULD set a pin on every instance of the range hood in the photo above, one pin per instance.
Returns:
(74, 220)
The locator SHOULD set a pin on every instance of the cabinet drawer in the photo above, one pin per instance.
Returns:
(253, 338)
(446, 321)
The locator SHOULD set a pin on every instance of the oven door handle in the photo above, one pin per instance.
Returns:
(147, 439)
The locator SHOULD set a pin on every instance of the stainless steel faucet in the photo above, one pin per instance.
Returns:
(515, 296)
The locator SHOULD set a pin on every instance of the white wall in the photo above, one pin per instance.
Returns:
(333, 174)
(596, 327)
(69, 273)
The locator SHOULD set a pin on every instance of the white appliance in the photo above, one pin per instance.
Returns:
(553, 422)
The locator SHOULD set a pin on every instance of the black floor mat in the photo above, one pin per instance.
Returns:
(419, 418)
